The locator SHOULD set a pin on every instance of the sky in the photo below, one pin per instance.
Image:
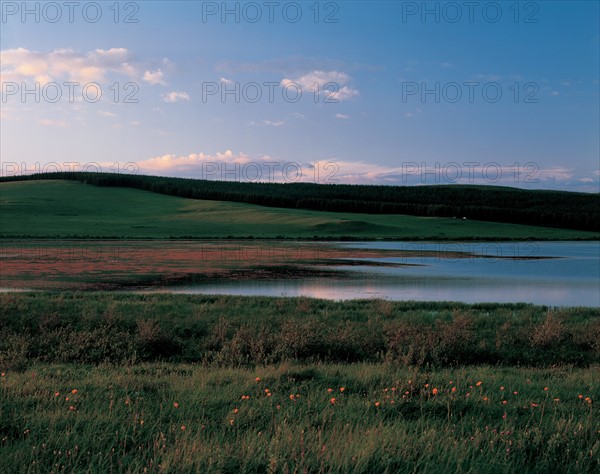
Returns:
(377, 92)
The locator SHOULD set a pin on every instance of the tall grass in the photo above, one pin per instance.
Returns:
(359, 418)
(95, 328)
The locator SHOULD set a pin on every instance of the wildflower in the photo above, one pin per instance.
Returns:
(426, 385)
(343, 388)
(533, 405)
(175, 405)
(501, 388)
(141, 422)
(182, 427)
(332, 401)
(435, 391)
(588, 399)
(235, 410)
(515, 393)
(72, 408)
(406, 393)
(257, 379)
(268, 394)
(478, 383)
(3, 374)
(377, 404)
(545, 389)
(557, 400)
(278, 407)
(74, 391)
(56, 394)
(231, 422)
(329, 390)
(504, 416)
(504, 402)
(67, 399)
(580, 396)
(291, 396)
(485, 399)
(453, 389)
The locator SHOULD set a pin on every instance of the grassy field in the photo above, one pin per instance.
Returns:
(62, 209)
(96, 382)
(117, 382)
(358, 418)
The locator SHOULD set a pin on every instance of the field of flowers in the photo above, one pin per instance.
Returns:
(297, 418)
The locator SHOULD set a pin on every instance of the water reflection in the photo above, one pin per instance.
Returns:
(512, 272)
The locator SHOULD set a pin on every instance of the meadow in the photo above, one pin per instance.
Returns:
(71, 209)
(120, 382)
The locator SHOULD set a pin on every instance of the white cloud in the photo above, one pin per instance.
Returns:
(155, 77)
(331, 85)
(273, 123)
(226, 81)
(342, 116)
(21, 64)
(106, 113)
(176, 96)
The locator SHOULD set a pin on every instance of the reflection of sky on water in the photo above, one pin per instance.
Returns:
(572, 280)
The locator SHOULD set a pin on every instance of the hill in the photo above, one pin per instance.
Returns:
(488, 203)
(72, 209)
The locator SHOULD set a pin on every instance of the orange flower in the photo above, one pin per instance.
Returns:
(182, 427)
(501, 388)
(329, 390)
(332, 401)
(580, 396)
(235, 410)
(3, 374)
(377, 404)
(231, 422)
(72, 408)
(453, 389)
(278, 407)
(268, 394)
(435, 391)
(478, 383)
(485, 399)
(291, 396)
(426, 385)
(343, 388)
(175, 405)
(74, 391)
(56, 394)
(504, 402)
(545, 389)
(257, 379)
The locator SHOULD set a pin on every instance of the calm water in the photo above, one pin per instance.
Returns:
(510, 272)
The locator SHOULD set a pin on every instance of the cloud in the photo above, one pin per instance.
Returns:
(21, 64)
(273, 123)
(226, 81)
(53, 123)
(106, 114)
(176, 96)
(332, 85)
(342, 116)
(155, 77)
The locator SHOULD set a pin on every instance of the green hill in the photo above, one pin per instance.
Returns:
(63, 209)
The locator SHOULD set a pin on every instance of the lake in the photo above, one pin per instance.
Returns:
(547, 273)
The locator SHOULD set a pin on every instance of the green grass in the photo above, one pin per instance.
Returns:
(109, 382)
(60, 209)
(177, 418)
(95, 327)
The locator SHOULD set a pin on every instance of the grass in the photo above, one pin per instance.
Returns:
(232, 331)
(65, 209)
(117, 382)
(358, 418)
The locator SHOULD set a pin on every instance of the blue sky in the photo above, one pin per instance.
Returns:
(391, 92)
